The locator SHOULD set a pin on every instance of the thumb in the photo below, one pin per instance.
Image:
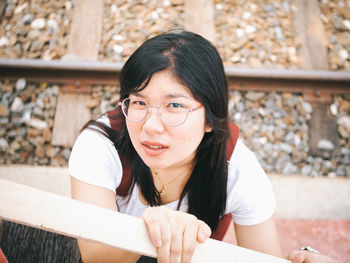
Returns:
(203, 232)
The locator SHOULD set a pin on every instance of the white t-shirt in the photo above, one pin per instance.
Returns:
(250, 197)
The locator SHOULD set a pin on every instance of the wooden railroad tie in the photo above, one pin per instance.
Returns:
(84, 42)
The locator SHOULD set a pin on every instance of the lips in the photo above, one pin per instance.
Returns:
(154, 148)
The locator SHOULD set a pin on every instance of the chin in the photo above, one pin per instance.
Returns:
(153, 164)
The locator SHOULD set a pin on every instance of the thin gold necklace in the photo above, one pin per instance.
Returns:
(163, 190)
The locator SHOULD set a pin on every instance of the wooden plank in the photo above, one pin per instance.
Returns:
(3, 4)
(323, 126)
(39, 209)
(83, 44)
(71, 115)
(86, 28)
(199, 18)
(309, 31)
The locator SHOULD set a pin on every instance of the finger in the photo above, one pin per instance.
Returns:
(164, 249)
(154, 228)
(204, 231)
(296, 256)
(189, 242)
(176, 245)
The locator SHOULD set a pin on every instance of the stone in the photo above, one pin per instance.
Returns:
(4, 41)
(344, 126)
(66, 154)
(17, 105)
(3, 145)
(334, 109)
(114, 99)
(279, 34)
(38, 23)
(39, 151)
(52, 23)
(92, 103)
(325, 145)
(36, 123)
(47, 135)
(289, 168)
(31, 132)
(240, 33)
(286, 147)
(27, 19)
(306, 170)
(4, 111)
(118, 49)
(247, 15)
(343, 54)
(347, 24)
(269, 8)
(50, 151)
(344, 106)
(21, 84)
(250, 29)
(253, 96)
(15, 145)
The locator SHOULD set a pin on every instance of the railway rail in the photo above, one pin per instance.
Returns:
(317, 86)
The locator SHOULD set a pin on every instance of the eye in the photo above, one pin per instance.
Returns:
(137, 104)
(175, 105)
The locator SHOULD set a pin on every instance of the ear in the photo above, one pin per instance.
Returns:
(207, 128)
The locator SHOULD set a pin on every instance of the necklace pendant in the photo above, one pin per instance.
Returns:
(162, 191)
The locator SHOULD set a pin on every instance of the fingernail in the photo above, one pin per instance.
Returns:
(158, 242)
(201, 236)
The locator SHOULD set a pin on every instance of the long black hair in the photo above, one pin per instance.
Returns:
(194, 62)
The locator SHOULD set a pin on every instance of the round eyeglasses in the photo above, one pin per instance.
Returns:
(171, 113)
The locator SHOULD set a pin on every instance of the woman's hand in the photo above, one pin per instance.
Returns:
(304, 256)
(174, 233)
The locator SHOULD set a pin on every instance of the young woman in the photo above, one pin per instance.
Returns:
(171, 137)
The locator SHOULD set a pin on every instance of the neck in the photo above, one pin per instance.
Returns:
(170, 182)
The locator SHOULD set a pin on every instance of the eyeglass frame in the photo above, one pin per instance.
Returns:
(121, 103)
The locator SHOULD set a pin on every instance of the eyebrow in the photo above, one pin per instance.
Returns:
(168, 96)
(177, 95)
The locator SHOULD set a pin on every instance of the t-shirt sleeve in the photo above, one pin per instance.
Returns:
(94, 160)
(250, 196)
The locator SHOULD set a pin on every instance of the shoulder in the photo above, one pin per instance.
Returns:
(94, 159)
(250, 197)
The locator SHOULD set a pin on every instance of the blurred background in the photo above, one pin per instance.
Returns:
(288, 67)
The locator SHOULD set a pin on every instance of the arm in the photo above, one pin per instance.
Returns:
(262, 237)
(93, 252)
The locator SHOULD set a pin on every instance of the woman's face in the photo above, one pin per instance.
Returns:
(161, 146)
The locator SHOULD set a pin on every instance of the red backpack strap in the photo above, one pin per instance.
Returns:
(115, 119)
(232, 140)
(225, 221)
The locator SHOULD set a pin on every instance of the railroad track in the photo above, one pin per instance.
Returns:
(317, 87)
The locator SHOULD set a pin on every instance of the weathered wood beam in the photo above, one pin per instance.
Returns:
(309, 31)
(51, 212)
(199, 18)
(83, 44)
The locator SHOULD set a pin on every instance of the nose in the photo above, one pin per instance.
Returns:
(153, 124)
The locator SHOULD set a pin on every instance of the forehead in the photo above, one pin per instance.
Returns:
(165, 84)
